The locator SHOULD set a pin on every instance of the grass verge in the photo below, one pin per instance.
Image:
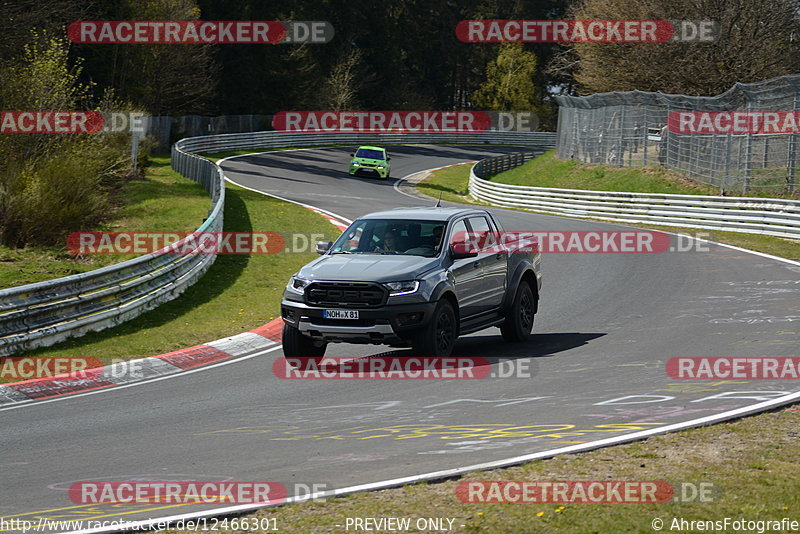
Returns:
(751, 477)
(163, 202)
(452, 183)
(238, 293)
(549, 171)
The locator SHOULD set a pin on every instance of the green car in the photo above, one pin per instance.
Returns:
(370, 160)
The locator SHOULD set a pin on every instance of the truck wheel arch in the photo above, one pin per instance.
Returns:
(444, 291)
(523, 274)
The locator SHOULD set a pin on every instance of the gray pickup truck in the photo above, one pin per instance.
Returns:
(416, 277)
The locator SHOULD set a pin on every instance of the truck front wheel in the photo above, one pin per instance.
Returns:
(518, 324)
(439, 336)
(296, 345)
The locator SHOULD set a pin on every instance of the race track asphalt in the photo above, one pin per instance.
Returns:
(606, 327)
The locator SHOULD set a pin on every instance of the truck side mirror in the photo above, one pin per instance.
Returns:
(461, 248)
(323, 246)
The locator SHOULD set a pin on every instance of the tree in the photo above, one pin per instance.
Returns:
(165, 79)
(509, 84)
(758, 40)
(340, 87)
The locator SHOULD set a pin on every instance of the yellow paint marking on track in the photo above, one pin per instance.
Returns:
(450, 432)
(104, 514)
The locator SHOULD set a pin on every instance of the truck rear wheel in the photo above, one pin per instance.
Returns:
(519, 322)
(439, 336)
(296, 345)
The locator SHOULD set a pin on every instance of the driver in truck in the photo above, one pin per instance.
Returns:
(389, 242)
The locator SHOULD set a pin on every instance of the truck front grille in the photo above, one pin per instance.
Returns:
(346, 294)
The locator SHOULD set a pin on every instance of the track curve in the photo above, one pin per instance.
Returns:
(607, 325)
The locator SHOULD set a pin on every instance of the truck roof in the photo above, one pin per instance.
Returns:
(430, 214)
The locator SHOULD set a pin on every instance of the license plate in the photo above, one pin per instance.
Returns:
(340, 314)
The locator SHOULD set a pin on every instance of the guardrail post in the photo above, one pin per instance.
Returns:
(792, 162)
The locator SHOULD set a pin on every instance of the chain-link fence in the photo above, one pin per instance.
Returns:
(630, 129)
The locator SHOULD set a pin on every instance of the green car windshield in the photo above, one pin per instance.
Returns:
(391, 236)
(370, 154)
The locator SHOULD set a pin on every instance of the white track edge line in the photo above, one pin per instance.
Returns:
(447, 473)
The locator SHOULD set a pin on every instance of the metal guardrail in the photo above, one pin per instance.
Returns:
(241, 141)
(769, 216)
(38, 315)
(41, 314)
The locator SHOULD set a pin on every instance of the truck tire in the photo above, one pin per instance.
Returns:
(296, 345)
(517, 326)
(439, 336)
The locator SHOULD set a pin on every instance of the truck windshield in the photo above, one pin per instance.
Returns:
(391, 236)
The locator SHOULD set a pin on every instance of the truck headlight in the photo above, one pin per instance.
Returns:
(402, 288)
(298, 285)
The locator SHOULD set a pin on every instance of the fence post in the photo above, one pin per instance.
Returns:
(645, 128)
(748, 154)
(727, 170)
(792, 148)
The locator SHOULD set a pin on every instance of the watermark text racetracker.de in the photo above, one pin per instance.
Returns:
(405, 121)
(177, 492)
(577, 242)
(189, 243)
(401, 368)
(734, 368)
(71, 122)
(583, 491)
(19, 368)
(586, 31)
(199, 32)
(734, 122)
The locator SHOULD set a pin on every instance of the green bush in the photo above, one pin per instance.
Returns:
(56, 184)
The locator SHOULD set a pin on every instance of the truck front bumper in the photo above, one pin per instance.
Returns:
(382, 325)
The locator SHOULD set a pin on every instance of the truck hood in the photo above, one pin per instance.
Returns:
(367, 267)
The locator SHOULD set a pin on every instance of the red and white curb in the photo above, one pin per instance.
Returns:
(145, 368)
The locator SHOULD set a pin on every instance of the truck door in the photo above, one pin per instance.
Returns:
(467, 275)
(492, 262)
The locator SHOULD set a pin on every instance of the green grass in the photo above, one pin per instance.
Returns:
(452, 183)
(549, 171)
(162, 202)
(751, 463)
(238, 293)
